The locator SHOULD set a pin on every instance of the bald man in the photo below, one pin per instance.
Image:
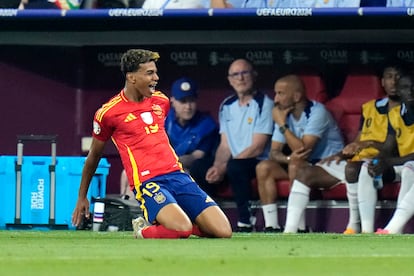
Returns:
(245, 130)
(304, 133)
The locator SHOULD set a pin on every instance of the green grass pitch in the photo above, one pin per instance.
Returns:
(117, 253)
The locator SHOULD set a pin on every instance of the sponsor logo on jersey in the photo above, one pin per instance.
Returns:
(130, 118)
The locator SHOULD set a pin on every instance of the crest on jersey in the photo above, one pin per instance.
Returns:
(159, 197)
(157, 109)
(96, 128)
(147, 118)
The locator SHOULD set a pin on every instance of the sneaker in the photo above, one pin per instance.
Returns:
(272, 230)
(349, 231)
(381, 231)
(244, 227)
(303, 231)
(138, 224)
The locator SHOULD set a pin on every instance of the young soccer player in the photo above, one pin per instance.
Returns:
(173, 204)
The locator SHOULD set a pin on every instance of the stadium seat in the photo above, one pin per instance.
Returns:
(389, 191)
(346, 107)
(224, 191)
(337, 192)
(315, 87)
(209, 100)
(283, 188)
(359, 88)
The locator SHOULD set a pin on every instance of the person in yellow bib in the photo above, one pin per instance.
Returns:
(403, 124)
(374, 123)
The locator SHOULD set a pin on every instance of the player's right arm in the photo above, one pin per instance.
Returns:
(91, 163)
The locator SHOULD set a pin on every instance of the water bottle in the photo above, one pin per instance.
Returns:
(98, 216)
(377, 180)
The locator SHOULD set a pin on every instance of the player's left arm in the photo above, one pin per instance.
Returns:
(91, 163)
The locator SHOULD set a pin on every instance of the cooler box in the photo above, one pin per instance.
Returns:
(68, 176)
(35, 189)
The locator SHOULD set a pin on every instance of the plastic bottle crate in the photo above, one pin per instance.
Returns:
(35, 191)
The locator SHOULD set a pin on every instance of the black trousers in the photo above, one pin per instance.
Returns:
(240, 173)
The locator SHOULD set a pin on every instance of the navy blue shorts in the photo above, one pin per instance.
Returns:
(176, 187)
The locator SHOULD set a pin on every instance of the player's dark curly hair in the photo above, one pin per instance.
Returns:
(131, 59)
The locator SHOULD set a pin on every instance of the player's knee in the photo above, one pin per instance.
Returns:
(221, 232)
(179, 225)
(225, 233)
(263, 168)
(352, 172)
(184, 227)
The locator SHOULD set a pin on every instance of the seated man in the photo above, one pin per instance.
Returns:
(193, 134)
(403, 124)
(245, 130)
(363, 198)
(331, 171)
(302, 126)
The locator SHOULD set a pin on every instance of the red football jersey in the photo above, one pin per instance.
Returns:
(137, 130)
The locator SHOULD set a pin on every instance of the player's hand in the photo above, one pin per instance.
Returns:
(300, 154)
(333, 158)
(351, 149)
(81, 211)
(279, 115)
(214, 175)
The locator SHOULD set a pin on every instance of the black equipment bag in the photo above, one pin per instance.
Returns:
(119, 212)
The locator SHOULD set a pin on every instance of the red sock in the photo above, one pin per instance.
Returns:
(160, 232)
(198, 232)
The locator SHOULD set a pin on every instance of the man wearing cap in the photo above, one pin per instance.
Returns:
(193, 134)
